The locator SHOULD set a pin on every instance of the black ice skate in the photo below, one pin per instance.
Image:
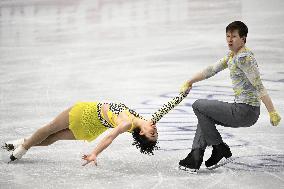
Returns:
(12, 145)
(193, 161)
(219, 152)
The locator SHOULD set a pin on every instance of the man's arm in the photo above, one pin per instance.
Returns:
(186, 87)
(196, 78)
(249, 66)
(205, 74)
(273, 114)
(268, 103)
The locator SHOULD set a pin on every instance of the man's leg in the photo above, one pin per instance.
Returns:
(207, 129)
(199, 140)
(194, 159)
(212, 112)
(209, 113)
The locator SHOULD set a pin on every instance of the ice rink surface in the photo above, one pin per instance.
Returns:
(54, 53)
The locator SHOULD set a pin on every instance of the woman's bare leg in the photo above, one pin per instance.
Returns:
(61, 122)
(65, 134)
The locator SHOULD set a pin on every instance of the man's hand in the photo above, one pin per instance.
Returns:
(186, 87)
(90, 158)
(274, 118)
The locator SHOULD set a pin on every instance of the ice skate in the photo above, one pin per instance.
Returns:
(221, 155)
(193, 161)
(13, 144)
(18, 153)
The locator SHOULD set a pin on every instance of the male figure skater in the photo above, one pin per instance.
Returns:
(244, 112)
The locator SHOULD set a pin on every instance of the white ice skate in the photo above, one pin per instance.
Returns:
(13, 144)
(18, 153)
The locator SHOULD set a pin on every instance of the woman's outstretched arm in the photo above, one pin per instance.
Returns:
(105, 142)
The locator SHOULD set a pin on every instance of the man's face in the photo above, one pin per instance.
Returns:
(234, 41)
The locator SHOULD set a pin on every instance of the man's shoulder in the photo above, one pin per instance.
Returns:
(245, 52)
(245, 57)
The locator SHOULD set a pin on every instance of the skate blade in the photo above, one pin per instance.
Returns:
(191, 171)
(221, 163)
(12, 161)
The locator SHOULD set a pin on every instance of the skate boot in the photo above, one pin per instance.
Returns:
(193, 161)
(12, 145)
(18, 153)
(219, 152)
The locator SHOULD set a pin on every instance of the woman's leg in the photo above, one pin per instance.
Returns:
(65, 134)
(61, 122)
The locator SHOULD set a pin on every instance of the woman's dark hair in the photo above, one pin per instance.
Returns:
(143, 143)
(240, 26)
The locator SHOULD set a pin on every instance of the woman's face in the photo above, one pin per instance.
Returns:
(149, 130)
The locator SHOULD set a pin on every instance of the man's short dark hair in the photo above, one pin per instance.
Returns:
(240, 26)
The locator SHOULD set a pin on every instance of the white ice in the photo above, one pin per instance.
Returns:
(54, 53)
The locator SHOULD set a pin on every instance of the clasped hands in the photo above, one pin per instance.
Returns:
(186, 87)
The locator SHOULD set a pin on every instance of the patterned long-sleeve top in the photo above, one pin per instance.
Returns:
(244, 72)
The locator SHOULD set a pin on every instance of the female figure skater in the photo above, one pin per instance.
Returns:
(86, 121)
(244, 112)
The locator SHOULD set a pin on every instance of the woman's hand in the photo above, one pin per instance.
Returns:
(90, 158)
(186, 87)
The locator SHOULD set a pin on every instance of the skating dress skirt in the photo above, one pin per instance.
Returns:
(84, 121)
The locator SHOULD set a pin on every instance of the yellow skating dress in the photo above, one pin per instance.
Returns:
(86, 120)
